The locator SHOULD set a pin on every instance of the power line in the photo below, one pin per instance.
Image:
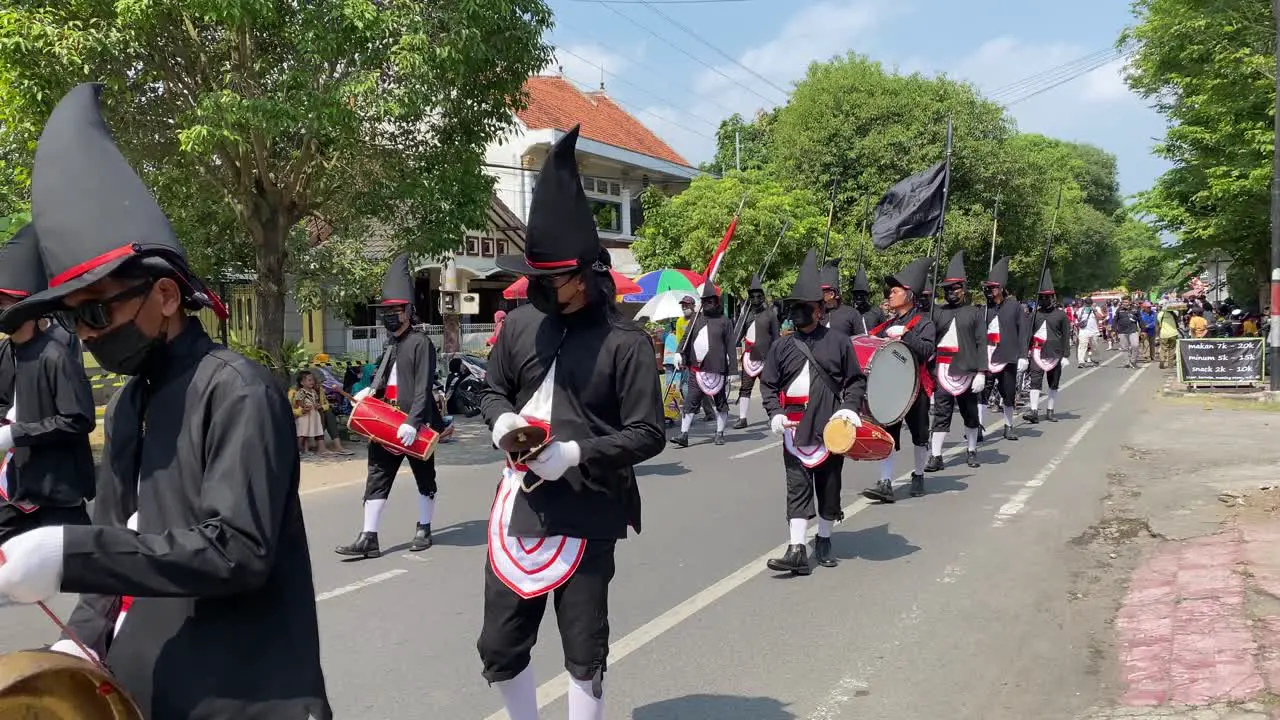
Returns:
(664, 2)
(587, 88)
(624, 81)
(649, 4)
(681, 50)
(1057, 79)
(1055, 76)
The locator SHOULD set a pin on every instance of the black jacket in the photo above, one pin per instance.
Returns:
(52, 460)
(606, 399)
(921, 339)
(7, 375)
(1013, 343)
(1057, 344)
(767, 330)
(720, 357)
(223, 627)
(834, 355)
(845, 320)
(414, 357)
(971, 336)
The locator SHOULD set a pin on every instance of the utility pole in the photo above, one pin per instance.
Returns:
(737, 147)
(995, 223)
(1274, 336)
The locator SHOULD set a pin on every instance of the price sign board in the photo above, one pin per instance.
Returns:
(1220, 361)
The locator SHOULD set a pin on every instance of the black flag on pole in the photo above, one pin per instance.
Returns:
(913, 208)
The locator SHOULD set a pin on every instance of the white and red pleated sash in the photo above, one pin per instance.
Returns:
(529, 566)
(4, 467)
(752, 368)
(797, 393)
(1037, 342)
(993, 340)
(948, 348)
(126, 602)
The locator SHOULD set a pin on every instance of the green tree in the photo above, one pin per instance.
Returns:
(1209, 67)
(738, 138)
(249, 117)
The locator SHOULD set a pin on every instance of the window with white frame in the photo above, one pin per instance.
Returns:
(602, 186)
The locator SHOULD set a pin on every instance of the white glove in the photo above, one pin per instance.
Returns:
(67, 647)
(895, 332)
(979, 382)
(363, 394)
(32, 568)
(677, 361)
(555, 461)
(406, 434)
(6, 439)
(777, 424)
(1023, 364)
(849, 415)
(505, 423)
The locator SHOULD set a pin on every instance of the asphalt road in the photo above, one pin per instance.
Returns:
(954, 605)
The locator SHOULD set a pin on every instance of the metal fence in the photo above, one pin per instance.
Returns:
(366, 341)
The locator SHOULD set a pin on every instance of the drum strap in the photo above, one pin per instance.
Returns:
(830, 381)
(880, 328)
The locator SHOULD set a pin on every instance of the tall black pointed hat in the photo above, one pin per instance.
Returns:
(21, 272)
(928, 284)
(92, 213)
(999, 274)
(955, 270)
(912, 277)
(1046, 284)
(757, 283)
(808, 287)
(561, 233)
(830, 275)
(397, 284)
(860, 283)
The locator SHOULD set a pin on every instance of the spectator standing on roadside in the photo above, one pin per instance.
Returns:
(1125, 324)
(1147, 323)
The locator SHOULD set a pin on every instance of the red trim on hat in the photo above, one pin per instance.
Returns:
(74, 272)
(552, 265)
(394, 302)
(14, 293)
(1047, 292)
(950, 281)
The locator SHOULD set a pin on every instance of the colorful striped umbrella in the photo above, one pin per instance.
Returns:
(519, 290)
(658, 281)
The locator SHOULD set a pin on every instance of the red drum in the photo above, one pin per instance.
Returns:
(868, 442)
(893, 377)
(378, 421)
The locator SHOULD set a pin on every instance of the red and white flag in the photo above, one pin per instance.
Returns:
(717, 258)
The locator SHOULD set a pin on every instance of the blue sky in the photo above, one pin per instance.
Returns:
(992, 43)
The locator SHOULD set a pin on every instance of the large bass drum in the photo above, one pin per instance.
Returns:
(47, 685)
(893, 378)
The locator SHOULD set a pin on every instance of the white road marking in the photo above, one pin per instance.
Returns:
(415, 558)
(357, 585)
(556, 687)
(1020, 498)
(760, 449)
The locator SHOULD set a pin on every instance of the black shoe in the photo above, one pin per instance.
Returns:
(741, 424)
(719, 438)
(366, 545)
(982, 434)
(822, 552)
(1008, 433)
(1048, 415)
(971, 459)
(795, 561)
(421, 538)
(682, 440)
(917, 485)
(883, 491)
(935, 464)
(1032, 416)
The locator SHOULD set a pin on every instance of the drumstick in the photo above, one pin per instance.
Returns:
(88, 655)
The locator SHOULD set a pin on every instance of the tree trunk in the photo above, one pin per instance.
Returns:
(1262, 275)
(269, 289)
(452, 334)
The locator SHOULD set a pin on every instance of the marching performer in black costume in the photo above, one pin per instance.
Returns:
(916, 330)
(836, 315)
(405, 373)
(809, 378)
(860, 296)
(1050, 343)
(46, 465)
(1006, 348)
(569, 363)
(924, 301)
(958, 367)
(195, 578)
(760, 329)
(709, 350)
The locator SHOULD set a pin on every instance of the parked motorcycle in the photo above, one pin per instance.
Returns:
(463, 384)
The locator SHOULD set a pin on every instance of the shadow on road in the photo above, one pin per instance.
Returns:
(468, 533)
(934, 483)
(671, 469)
(714, 707)
(874, 543)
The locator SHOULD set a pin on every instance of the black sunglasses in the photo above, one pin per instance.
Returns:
(96, 314)
(554, 282)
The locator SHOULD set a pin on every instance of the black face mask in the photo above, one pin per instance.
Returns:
(924, 303)
(391, 321)
(861, 301)
(989, 293)
(711, 308)
(801, 315)
(1046, 302)
(757, 300)
(124, 350)
(954, 295)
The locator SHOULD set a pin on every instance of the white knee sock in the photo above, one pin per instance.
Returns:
(797, 528)
(722, 419)
(1053, 395)
(886, 468)
(685, 422)
(937, 439)
(1007, 410)
(373, 514)
(583, 704)
(1035, 400)
(426, 509)
(824, 527)
(922, 456)
(971, 436)
(520, 696)
(982, 413)
(744, 404)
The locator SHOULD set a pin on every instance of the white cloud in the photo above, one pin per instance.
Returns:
(1106, 84)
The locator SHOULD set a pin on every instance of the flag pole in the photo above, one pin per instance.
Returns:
(742, 322)
(831, 213)
(712, 267)
(942, 222)
(995, 222)
(1044, 266)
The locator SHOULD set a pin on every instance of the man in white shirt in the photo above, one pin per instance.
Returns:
(1090, 315)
